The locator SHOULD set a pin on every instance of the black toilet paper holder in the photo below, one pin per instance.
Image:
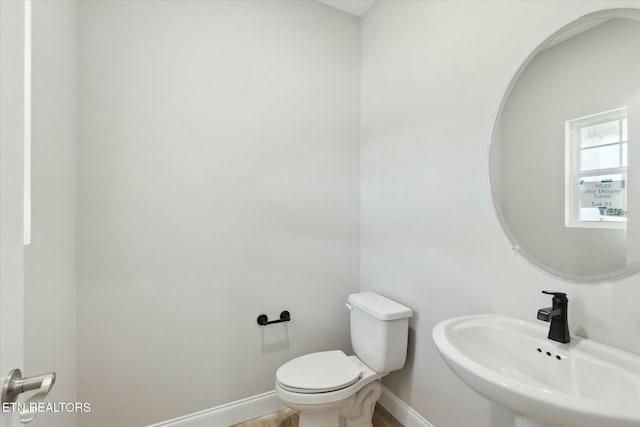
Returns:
(263, 320)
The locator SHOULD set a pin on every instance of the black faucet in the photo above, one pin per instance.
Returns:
(557, 315)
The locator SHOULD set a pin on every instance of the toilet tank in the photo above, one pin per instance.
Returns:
(379, 331)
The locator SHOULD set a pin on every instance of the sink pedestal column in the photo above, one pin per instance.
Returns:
(523, 422)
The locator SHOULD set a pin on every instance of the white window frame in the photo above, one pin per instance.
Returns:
(573, 172)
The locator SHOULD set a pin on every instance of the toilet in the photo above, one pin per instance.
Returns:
(331, 389)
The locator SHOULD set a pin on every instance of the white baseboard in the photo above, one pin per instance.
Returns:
(402, 412)
(266, 403)
(228, 414)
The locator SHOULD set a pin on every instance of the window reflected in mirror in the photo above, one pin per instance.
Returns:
(596, 170)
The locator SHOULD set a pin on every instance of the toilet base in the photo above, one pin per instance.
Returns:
(359, 412)
(319, 419)
(354, 411)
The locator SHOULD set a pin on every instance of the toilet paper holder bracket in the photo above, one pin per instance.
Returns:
(263, 319)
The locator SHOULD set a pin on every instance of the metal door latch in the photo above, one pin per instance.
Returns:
(14, 385)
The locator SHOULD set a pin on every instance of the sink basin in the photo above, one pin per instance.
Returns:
(511, 362)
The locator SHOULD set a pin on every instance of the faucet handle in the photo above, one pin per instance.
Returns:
(559, 298)
(555, 293)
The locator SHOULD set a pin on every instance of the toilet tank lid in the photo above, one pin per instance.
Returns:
(379, 307)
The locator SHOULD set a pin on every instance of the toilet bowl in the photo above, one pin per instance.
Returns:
(331, 389)
(328, 388)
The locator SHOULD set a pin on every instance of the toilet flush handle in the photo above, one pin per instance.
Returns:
(349, 306)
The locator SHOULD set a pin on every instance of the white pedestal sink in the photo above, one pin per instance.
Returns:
(545, 383)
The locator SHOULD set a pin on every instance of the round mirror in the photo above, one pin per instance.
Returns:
(565, 151)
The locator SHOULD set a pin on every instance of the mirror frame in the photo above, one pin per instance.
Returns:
(630, 269)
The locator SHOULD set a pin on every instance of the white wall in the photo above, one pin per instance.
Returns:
(217, 180)
(50, 267)
(433, 76)
(562, 84)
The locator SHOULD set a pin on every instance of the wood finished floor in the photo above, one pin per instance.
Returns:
(289, 418)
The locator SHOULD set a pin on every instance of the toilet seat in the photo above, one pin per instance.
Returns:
(320, 372)
(299, 399)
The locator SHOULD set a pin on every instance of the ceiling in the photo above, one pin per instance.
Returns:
(353, 7)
